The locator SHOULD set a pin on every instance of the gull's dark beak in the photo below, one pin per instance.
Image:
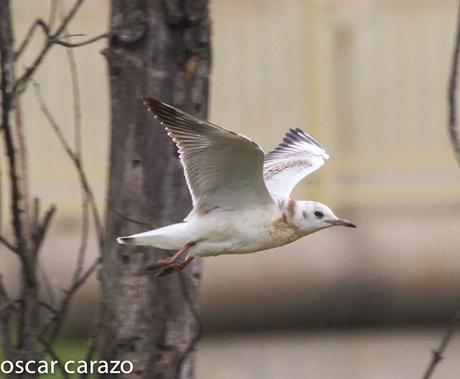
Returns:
(341, 222)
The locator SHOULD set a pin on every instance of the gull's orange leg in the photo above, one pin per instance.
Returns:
(171, 260)
(174, 267)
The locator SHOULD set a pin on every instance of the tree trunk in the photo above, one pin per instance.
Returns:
(159, 49)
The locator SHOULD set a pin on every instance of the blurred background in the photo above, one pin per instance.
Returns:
(368, 79)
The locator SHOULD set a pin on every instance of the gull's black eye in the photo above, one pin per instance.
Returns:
(319, 214)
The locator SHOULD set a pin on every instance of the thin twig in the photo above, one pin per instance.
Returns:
(35, 212)
(49, 349)
(78, 155)
(8, 244)
(438, 354)
(94, 341)
(47, 285)
(83, 239)
(52, 327)
(75, 94)
(38, 23)
(21, 83)
(69, 35)
(47, 306)
(39, 230)
(76, 103)
(81, 173)
(83, 43)
(4, 298)
(452, 93)
(28, 314)
(54, 324)
(42, 228)
(54, 125)
(83, 278)
(5, 320)
(52, 15)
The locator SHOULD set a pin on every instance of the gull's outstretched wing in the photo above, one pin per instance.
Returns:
(223, 169)
(294, 158)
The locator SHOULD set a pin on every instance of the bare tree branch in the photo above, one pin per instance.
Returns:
(47, 285)
(93, 345)
(35, 213)
(47, 306)
(21, 83)
(77, 163)
(452, 93)
(46, 29)
(5, 304)
(78, 155)
(83, 239)
(42, 228)
(8, 244)
(83, 43)
(38, 232)
(52, 15)
(29, 228)
(39, 23)
(28, 318)
(75, 95)
(17, 210)
(54, 324)
(87, 195)
(49, 349)
(437, 354)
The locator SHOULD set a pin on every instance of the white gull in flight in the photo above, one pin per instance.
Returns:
(241, 197)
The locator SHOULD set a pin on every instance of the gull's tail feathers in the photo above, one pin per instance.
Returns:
(170, 237)
(126, 240)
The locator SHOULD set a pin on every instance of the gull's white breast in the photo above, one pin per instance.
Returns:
(240, 232)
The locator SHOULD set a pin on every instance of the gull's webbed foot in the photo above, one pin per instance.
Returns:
(158, 264)
(170, 265)
(174, 267)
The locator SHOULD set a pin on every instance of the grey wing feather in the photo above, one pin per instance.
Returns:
(223, 169)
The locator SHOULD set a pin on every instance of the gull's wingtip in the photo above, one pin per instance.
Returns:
(148, 102)
(152, 103)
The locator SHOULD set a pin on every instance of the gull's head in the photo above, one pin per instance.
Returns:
(311, 216)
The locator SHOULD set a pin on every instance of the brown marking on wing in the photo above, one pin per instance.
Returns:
(272, 170)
